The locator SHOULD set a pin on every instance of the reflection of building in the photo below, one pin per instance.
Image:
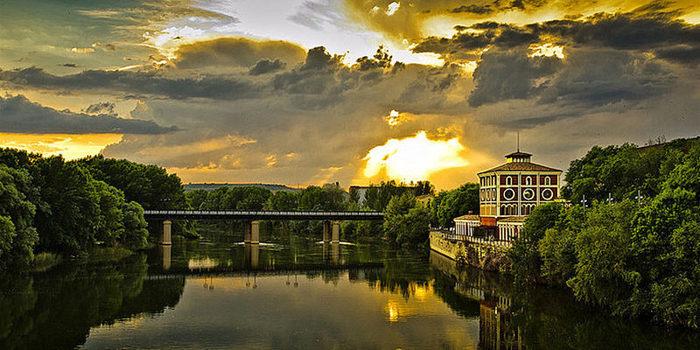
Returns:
(507, 194)
(496, 329)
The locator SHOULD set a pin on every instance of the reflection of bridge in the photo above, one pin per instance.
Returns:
(252, 228)
(331, 261)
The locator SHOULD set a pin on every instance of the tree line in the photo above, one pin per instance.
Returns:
(407, 219)
(48, 204)
(636, 255)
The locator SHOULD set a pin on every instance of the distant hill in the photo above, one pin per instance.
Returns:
(213, 186)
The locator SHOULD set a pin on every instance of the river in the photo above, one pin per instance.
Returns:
(295, 293)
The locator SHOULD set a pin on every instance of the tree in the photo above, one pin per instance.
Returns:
(17, 233)
(406, 221)
(457, 202)
(525, 253)
(604, 274)
(283, 201)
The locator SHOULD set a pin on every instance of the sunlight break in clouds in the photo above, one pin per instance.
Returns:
(547, 50)
(414, 158)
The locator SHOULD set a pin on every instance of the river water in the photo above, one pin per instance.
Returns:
(296, 293)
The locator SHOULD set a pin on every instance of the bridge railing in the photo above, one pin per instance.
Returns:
(263, 213)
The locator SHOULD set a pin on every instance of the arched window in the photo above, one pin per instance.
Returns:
(509, 180)
(547, 181)
(528, 180)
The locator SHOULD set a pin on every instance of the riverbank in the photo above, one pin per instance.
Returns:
(484, 255)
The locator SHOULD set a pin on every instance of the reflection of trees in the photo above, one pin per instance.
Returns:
(403, 272)
(56, 310)
(538, 317)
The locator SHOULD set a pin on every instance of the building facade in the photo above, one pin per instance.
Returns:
(509, 192)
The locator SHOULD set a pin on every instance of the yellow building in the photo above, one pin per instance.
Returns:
(508, 193)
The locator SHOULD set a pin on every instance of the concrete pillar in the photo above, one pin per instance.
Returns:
(248, 228)
(326, 231)
(335, 253)
(252, 255)
(165, 235)
(165, 252)
(335, 237)
(255, 232)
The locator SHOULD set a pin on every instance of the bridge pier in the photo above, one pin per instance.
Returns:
(252, 232)
(165, 233)
(335, 236)
(326, 231)
(251, 254)
(165, 252)
(331, 231)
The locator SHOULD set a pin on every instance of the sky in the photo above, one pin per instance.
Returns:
(354, 91)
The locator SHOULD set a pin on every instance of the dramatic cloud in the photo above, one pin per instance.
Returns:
(136, 82)
(240, 52)
(19, 115)
(297, 91)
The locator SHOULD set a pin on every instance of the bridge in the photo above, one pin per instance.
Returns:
(331, 224)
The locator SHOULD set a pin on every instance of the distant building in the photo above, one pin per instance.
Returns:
(508, 193)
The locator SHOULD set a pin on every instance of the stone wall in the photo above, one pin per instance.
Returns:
(491, 257)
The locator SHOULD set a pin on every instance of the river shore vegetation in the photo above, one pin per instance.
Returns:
(50, 206)
(633, 245)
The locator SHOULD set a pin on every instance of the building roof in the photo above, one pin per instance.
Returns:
(513, 219)
(525, 166)
(518, 154)
(468, 217)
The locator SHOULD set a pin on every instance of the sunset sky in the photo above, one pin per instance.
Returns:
(279, 92)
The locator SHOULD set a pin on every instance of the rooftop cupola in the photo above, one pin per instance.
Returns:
(518, 157)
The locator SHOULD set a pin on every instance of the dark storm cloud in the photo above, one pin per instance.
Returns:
(472, 8)
(266, 66)
(587, 80)
(19, 115)
(680, 54)
(240, 52)
(620, 31)
(133, 82)
(510, 74)
(100, 108)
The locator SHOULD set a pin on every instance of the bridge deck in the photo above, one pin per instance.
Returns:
(261, 215)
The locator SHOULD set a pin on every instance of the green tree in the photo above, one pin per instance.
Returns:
(406, 221)
(525, 253)
(455, 203)
(283, 201)
(17, 233)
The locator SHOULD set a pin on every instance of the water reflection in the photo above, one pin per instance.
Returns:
(56, 309)
(544, 318)
(299, 294)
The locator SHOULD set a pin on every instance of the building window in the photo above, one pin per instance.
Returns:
(547, 194)
(528, 180)
(509, 194)
(547, 181)
(528, 194)
(509, 180)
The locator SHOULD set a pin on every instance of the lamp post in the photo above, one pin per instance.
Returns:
(610, 198)
(639, 197)
(584, 201)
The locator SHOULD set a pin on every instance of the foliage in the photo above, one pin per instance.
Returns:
(621, 171)
(406, 221)
(17, 233)
(50, 205)
(377, 197)
(149, 185)
(283, 201)
(451, 204)
(638, 261)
